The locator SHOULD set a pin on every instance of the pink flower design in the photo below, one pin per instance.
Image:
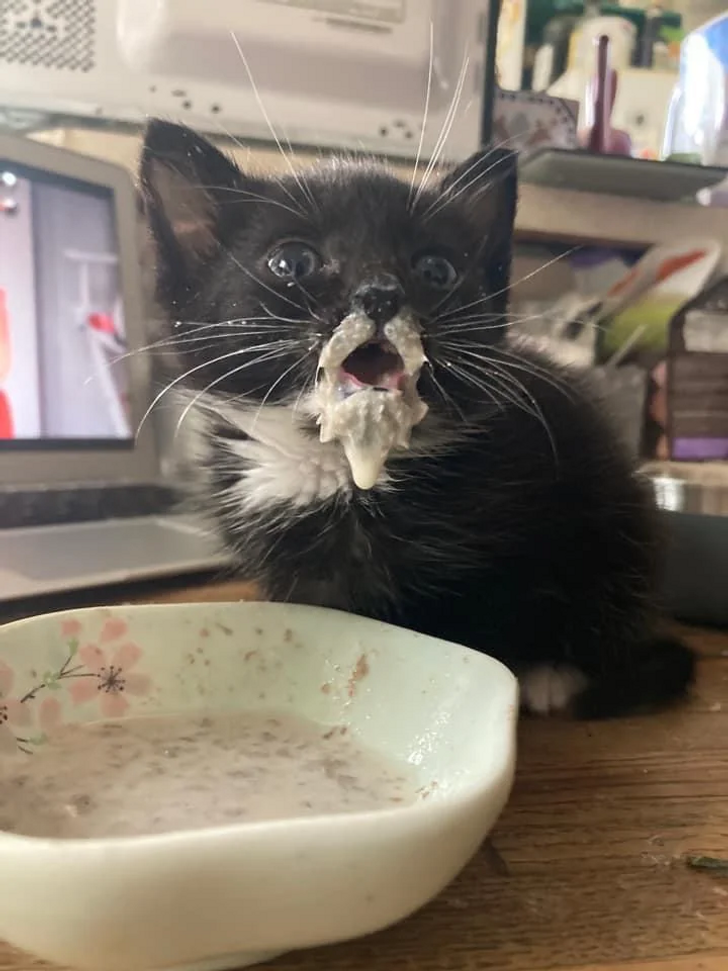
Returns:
(109, 679)
(70, 627)
(17, 713)
(113, 629)
(49, 714)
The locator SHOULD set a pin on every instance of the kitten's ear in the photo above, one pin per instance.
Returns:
(485, 186)
(184, 182)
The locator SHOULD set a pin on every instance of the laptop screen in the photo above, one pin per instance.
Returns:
(63, 380)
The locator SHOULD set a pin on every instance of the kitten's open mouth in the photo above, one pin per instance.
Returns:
(376, 364)
(366, 396)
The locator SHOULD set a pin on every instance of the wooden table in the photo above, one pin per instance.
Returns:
(593, 840)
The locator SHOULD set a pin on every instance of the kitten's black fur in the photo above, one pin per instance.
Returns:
(515, 525)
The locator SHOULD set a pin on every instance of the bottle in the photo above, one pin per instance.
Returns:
(553, 54)
(616, 23)
(651, 31)
(599, 136)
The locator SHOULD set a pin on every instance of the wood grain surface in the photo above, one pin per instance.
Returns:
(594, 842)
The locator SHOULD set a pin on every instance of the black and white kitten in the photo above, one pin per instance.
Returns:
(513, 523)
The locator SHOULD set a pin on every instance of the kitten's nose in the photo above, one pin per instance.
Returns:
(380, 298)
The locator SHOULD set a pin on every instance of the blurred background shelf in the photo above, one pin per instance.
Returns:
(616, 175)
(546, 214)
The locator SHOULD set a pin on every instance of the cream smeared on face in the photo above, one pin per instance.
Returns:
(367, 396)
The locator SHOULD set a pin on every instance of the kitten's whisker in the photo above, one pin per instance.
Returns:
(261, 359)
(214, 340)
(299, 396)
(162, 343)
(517, 364)
(441, 140)
(450, 293)
(448, 400)
(533, 273)
(240, 323)
(299, 322)
(511, 394)
(160, 352)
(425, 115)
(537, 411)
(251, 197)
(291, 167)
(307, 293)
(186, 374)
(270, 202)
(450, 197)
(444, 336)
(452, 113)
(305, 186)
(310, 314)
(495, 146)
(456, 313)
(541, 374)
(208, 340)
(197, 345)
(172, 341)
(444, 133)
(233, 334)
(310, 383)
(498, 391)
(475, 325)
(468, 378)
(181, 377)
(269, 315)
(498, 293)
(530, 367)
(245, 148)
(459, 310)
(467, 370)
(523, 397)
(462, 176)
(281, 377)
(278, 296)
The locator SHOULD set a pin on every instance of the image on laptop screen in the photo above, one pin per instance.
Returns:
(61, 314)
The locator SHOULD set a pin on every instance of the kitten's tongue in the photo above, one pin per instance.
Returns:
(374, 365)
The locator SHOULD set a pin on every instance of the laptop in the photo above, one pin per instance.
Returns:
(83, 500)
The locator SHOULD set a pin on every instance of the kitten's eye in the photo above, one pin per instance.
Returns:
(434, 271)
(293, 261)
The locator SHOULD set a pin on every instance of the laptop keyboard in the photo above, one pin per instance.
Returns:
(81, 504)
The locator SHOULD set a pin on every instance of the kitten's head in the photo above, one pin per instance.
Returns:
(256, 273)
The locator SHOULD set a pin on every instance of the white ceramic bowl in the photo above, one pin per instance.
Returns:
(236, 895)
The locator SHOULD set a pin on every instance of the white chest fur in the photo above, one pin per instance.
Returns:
(282, 462)
(279, 461)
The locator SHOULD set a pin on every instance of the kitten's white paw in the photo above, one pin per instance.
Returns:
(548, 689)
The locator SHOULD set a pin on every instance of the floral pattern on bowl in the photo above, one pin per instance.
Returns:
(97, 672)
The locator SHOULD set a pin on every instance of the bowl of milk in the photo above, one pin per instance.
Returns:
(207, 786)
